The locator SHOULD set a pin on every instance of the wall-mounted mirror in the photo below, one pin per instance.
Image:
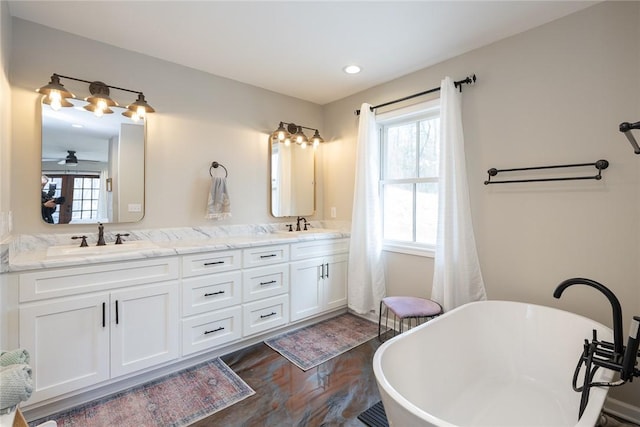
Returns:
(292, 179)
(94, 166)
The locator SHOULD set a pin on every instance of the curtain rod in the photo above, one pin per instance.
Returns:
(459, 83)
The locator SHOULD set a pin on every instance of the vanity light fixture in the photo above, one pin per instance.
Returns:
(55, 94)
(293, 133)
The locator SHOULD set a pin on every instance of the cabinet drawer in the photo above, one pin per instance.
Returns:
(318, 248)
(211, 262)
(265, 282)
(70, 281)
(263, 315)
(256, 257)
(211, 292)
(210, 330)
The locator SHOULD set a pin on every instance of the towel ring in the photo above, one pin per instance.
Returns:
(215, 165)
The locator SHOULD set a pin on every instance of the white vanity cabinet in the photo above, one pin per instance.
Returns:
(265, 286)
(211, 300)
(123, 319)
(318, 277)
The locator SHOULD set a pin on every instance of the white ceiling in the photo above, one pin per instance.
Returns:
(298, 48)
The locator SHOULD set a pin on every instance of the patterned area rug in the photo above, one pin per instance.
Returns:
(175, 400)
(312, 345)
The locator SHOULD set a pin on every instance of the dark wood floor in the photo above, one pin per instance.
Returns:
(331, 394)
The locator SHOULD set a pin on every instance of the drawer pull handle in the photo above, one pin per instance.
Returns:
(213, 293)
(268, 256)
(215, 330)
(268, 283)
(213, 263)
(104, 323)
(116, 312)
(262, 316)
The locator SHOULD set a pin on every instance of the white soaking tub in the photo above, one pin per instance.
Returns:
(489, 363)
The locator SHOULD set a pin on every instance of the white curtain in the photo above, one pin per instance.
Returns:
(366, 273)
(457, 278)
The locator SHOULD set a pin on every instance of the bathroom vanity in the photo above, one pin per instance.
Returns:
(91, 321)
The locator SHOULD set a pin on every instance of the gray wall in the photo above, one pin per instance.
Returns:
(552, 95)
(200, 118)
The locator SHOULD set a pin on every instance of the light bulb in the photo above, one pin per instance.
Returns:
(55, 100)
(303, 145)
(141, 112)
(101, 104)
(98, 112)
(135, 117)
(316, 142)
(287, 142)
(281, 136)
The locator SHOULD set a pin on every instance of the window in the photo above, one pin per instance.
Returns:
(86, 190)
(409, 177)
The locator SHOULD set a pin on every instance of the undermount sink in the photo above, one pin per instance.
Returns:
(77, 250)
(303, 232)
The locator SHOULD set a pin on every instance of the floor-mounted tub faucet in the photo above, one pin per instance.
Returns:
(597, 354)
(615, 307)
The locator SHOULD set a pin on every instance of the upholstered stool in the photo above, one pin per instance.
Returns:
(407, 308)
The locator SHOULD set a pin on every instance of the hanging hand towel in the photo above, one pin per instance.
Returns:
(16, 386)
(219, 205)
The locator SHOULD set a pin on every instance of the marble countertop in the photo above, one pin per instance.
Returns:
(31, 252)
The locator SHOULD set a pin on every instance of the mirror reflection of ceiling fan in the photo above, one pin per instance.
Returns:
(70, 160)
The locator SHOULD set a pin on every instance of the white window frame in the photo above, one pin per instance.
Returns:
(421, 110)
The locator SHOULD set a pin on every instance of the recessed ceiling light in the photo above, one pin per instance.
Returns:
(351, 69)
(76, 125)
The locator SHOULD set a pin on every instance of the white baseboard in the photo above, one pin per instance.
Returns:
(622, 410)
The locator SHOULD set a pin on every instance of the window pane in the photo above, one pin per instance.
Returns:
(429, 147)
(398, 212)
(400, 151)
(426, 212)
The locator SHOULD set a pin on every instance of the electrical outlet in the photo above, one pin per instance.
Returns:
(135, 207)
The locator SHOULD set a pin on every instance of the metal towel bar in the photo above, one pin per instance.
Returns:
(600, 165)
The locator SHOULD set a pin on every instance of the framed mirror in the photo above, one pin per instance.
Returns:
(92, 167)
(292, 179)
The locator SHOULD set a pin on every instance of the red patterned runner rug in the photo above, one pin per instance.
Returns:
(313, 345)
(176, 400)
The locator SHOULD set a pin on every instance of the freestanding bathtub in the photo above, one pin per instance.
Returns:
(489, 363)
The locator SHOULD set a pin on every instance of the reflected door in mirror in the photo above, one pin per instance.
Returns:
(96, 164)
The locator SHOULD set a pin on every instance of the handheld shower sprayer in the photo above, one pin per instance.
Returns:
(630, 356)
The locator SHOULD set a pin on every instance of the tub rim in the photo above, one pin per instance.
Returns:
(597, 394)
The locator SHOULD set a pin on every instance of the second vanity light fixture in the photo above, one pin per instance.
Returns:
(56, 95)
(293, 133)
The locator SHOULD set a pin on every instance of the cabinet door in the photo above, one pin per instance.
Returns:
(144, 327)
(68, 341)
(306, 288)
(335, 281)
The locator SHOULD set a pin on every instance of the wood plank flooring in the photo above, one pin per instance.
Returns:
(331, 394)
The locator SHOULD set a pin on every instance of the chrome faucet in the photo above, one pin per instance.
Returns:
(101, 235)
(298, 223)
